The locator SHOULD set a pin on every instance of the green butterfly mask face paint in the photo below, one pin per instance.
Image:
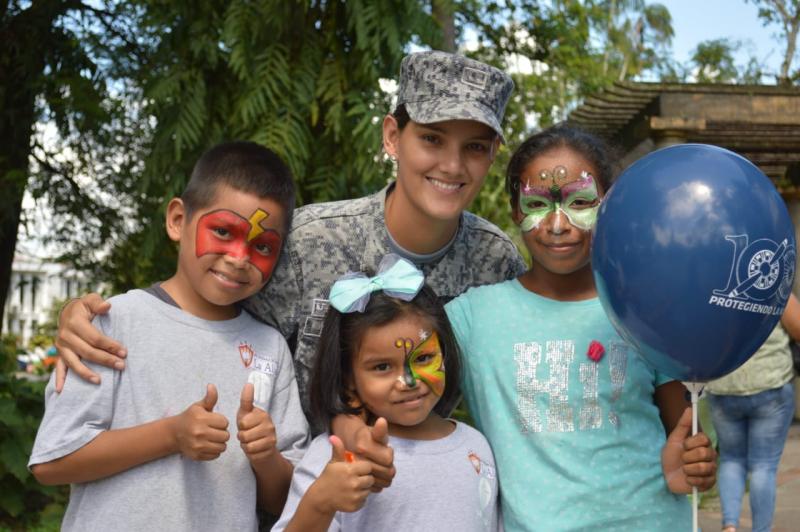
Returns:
(579, 200)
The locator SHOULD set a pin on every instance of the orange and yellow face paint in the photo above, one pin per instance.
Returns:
(424, 362)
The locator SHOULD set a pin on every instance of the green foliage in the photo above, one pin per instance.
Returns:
(9, 349)
(636, 36)
(24, 503)
(75, 135)
(786, 15)
(40, 340)
(302, 78)
(558, 53)
(714, 61)
(299, 77)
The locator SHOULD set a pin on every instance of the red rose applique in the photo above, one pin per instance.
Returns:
(596, 351)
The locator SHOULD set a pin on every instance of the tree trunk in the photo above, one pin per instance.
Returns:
(444, 15)
(23, 45)
(791, 46)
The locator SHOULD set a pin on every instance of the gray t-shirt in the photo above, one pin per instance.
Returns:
(172, 357)
(444, 484)
(328, 240)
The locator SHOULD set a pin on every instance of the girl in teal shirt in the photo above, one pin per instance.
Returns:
(585, 433)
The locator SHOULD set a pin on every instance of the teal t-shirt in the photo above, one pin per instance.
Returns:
(577, 442)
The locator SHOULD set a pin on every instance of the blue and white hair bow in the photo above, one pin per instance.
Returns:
(396, 276)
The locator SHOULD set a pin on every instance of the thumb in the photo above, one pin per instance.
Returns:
(380, 431)
(210, 400)
(682, 429)
(246, 401)
(338, 452)
(61, 374)
(95, 304)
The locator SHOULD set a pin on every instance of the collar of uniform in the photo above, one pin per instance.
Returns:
(454, 271)
(378, 239)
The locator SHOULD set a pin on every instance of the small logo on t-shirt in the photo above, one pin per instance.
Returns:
(481, 465)
(268, 366)
(246, 353)
(259, 362)
(476, 462)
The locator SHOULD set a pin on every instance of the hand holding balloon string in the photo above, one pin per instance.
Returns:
(688, 461)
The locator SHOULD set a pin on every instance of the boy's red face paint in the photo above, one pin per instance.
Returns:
(225, 232)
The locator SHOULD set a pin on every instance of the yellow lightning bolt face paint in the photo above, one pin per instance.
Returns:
(255, 223)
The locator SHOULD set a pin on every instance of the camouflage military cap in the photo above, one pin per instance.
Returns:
(437, 86)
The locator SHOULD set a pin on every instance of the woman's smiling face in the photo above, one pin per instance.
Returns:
(440, 166)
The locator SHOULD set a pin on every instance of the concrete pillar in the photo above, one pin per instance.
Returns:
(671, 130)
(669, 138)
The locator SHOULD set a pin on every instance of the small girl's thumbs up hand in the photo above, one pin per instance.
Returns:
(344, 484)
(688, 461)
(372, 443)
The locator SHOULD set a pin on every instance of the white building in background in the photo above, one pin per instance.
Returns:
(37, 284)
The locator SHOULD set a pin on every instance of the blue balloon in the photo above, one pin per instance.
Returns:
(694, 259)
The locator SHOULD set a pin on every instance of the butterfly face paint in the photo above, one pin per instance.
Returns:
(225, 232)
(423, 362)
(578, 200)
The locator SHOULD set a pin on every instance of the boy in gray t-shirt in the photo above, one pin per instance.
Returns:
(147, 447)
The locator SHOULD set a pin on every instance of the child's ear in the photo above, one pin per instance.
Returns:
(176, 218)
(353, 400)
(391, 135)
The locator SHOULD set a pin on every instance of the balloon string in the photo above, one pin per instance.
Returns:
(694, 388)
(695, 502)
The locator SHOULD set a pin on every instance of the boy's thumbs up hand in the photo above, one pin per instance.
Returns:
(246, 399)
(344, 484)
(210, 400)
(256, 430)
(199, 432)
